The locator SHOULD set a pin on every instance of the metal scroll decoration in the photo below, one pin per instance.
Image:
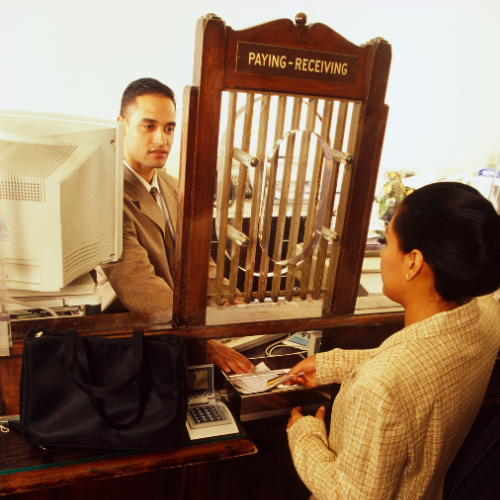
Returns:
(318, 231)
(325, 181)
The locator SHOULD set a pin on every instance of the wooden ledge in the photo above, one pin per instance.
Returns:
(27, 468)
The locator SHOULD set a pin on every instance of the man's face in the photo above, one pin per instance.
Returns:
(149, 128)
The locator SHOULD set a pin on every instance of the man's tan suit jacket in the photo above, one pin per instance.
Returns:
(142, 278)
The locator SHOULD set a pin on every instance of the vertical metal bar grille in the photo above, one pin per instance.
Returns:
(327, 221)
(299, 194)
(344, 194)
(267, 215)
(257, 181)
(275, 204)
(240, 195)
(285, 190)
(224, 182)
(326, 124)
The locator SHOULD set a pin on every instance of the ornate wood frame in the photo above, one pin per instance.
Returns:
(214, 72)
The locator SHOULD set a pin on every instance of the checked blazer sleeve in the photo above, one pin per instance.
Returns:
(403, 409)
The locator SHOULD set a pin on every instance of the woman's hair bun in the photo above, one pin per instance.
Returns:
(458, 232)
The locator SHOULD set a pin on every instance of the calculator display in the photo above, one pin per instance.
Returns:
(200, 381)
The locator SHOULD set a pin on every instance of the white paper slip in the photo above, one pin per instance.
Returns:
(251, 383)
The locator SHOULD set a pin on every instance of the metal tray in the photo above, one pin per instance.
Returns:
(277, 401)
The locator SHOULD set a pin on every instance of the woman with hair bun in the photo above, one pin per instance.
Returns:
(404, 408)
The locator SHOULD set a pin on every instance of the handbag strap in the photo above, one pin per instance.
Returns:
(37, 331)
(74, 345)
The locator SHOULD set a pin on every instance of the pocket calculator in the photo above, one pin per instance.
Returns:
(206, 416)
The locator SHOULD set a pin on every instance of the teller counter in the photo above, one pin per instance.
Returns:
(32, 472)
(253, 464)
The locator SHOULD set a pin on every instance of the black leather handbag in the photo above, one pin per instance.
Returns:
(94, 392)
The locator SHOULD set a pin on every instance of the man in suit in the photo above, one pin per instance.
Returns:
(141, 281)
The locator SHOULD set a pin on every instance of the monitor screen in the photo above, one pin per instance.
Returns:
(61, 197)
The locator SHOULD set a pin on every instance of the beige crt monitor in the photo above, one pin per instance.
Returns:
(61, 197)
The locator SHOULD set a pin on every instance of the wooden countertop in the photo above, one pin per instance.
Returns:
(26, 468)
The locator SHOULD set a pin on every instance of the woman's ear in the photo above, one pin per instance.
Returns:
(414, 262)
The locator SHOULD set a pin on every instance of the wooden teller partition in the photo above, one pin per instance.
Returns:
(282, 135)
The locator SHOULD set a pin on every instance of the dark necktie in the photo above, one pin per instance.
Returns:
(169, 241)
(154, 193)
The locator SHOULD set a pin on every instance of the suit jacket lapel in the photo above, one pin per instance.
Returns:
(139, 195)
(169, 191)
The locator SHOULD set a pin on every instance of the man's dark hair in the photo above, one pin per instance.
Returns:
(458, 232)
(144, 86)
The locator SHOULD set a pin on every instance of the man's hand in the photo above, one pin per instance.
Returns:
(237, 302)
(296, 415)
(227, 359)
(308, 366)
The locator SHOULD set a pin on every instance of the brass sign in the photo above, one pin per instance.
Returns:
(271, 60)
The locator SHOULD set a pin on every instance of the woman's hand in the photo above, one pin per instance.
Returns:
(296, 415)
(308, 366)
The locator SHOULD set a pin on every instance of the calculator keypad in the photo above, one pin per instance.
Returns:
(206, 415)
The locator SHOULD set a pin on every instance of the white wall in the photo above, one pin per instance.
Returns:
(76, 58)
